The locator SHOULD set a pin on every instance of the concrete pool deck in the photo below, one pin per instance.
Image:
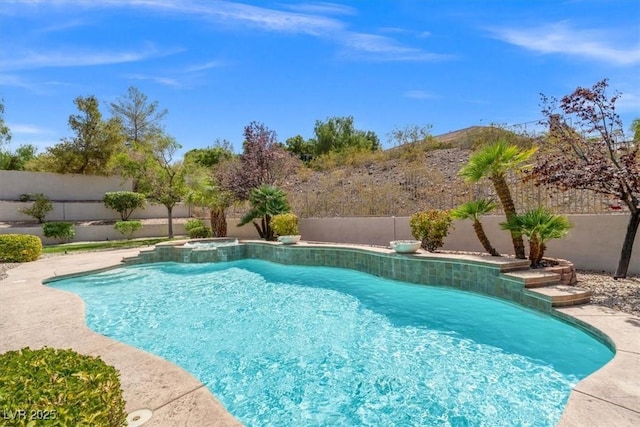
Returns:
(34, 315)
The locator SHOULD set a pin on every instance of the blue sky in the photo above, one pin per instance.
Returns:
(218, 65)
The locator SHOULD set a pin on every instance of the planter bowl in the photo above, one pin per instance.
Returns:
(405, 246)
(289, 240)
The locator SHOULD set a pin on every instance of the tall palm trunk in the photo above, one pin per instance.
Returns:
(484, 240)
(502, 189)
(218, 222)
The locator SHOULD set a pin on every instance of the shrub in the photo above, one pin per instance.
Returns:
(124, 202)
(19, 247)
(61, 231)
(199, 232)
(27, 197)
(40, 208)
(127, 228)
(69, 388)
(430, 227)
(193, 223)
(285, 224)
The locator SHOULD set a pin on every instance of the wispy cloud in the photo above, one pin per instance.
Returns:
(382, 48)
(419, 94)
(12, 80)
(62, 26)
(317, 19)
(205, 66)
(322, 8)
(163, 80)
(28, 129)
(77, 58)
(628, 102)
(561, 38)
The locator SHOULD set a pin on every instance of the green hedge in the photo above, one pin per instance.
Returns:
(61, 231)
(61, 388)
(19, 247)
(127, 228)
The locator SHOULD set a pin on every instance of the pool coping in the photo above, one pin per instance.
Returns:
(35, 315)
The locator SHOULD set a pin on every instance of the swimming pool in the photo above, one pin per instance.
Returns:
(288, 345)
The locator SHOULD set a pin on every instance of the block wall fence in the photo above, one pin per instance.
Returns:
(594, 243)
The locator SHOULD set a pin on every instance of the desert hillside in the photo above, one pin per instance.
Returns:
(406, 179)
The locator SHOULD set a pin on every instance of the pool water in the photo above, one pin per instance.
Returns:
(288, 345)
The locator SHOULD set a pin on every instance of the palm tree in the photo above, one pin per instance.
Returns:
(266, 201)
(539, 226)
(474, 210)
(493, 161)
(203, 191)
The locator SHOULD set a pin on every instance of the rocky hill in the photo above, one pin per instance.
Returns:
(397, 181)
(405, 179)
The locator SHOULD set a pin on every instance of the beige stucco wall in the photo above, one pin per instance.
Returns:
(245, 232)
(99, 233)
(59, 186)
(594, 243)
(87, 211)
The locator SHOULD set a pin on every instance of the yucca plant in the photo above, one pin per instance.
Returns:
(539, 226)
(266, 201)
(493, 161)
(473, 210)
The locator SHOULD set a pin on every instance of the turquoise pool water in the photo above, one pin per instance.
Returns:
(287, 345)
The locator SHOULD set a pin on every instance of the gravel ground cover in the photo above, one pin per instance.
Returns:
(622, 294)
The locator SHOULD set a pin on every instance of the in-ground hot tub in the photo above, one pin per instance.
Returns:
(216, 242)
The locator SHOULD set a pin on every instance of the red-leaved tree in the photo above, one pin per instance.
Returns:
(263, 161)
(592, 154)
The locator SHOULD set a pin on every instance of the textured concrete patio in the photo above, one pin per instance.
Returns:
(34, 315)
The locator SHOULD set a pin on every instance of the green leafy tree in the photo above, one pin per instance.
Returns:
(493, 161)
(473, 210)
(266, 201)
(635, 130)
(156, 173)
(18, 160)
(91, 150)
(124, 202)
(140, 118)
(211, 156)
(5, 133)
(301, 148)
(12, 160)
(539, 226)
(339, 134)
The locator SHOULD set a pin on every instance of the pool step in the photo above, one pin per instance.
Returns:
(548, 285)
(563, 295)
(130, 260)
(534, 278)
